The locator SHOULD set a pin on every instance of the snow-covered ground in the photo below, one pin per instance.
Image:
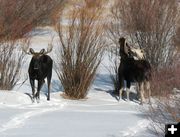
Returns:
(99, 115)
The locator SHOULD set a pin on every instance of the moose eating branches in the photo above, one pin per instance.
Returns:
(151, 24)
(133, 70)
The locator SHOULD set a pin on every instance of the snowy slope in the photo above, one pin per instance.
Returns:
(99, 115)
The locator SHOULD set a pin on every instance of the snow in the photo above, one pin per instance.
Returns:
(99, 115)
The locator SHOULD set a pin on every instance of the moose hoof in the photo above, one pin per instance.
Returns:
(38, 101)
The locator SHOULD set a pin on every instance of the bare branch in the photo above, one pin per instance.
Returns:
(150, 24)
(80, 49)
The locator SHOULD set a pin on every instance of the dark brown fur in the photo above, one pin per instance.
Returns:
(132, 70)
(40, 68)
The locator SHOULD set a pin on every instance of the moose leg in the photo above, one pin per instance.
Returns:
(128, 89)
(40, 84)
(137, 90)
(49, 83)
(120, 94)
(142, 92)
(121, 85)
(33, 88)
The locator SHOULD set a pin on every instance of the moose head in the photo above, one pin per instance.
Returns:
(127, 51)
(136, 53)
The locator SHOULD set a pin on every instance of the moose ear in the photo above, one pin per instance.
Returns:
(31, 51)
(42, 51)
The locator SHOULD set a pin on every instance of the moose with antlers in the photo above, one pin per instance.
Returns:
(40, 68)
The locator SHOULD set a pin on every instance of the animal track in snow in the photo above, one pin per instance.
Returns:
(19, 120)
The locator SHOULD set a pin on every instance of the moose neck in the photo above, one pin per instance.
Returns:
(123, 54)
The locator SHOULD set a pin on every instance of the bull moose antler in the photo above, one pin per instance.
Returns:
(49, 49)
(50, 46)
(25, 48)
(31, 51)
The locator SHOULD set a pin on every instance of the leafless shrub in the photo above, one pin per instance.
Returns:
(164, 110)
(164, 80)
(149, 24)
(11, 61)
(80, 49)
(164, 107)
(17, 17)
(176, 39)
(114, 60)
(177, 36)
(114, 76)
